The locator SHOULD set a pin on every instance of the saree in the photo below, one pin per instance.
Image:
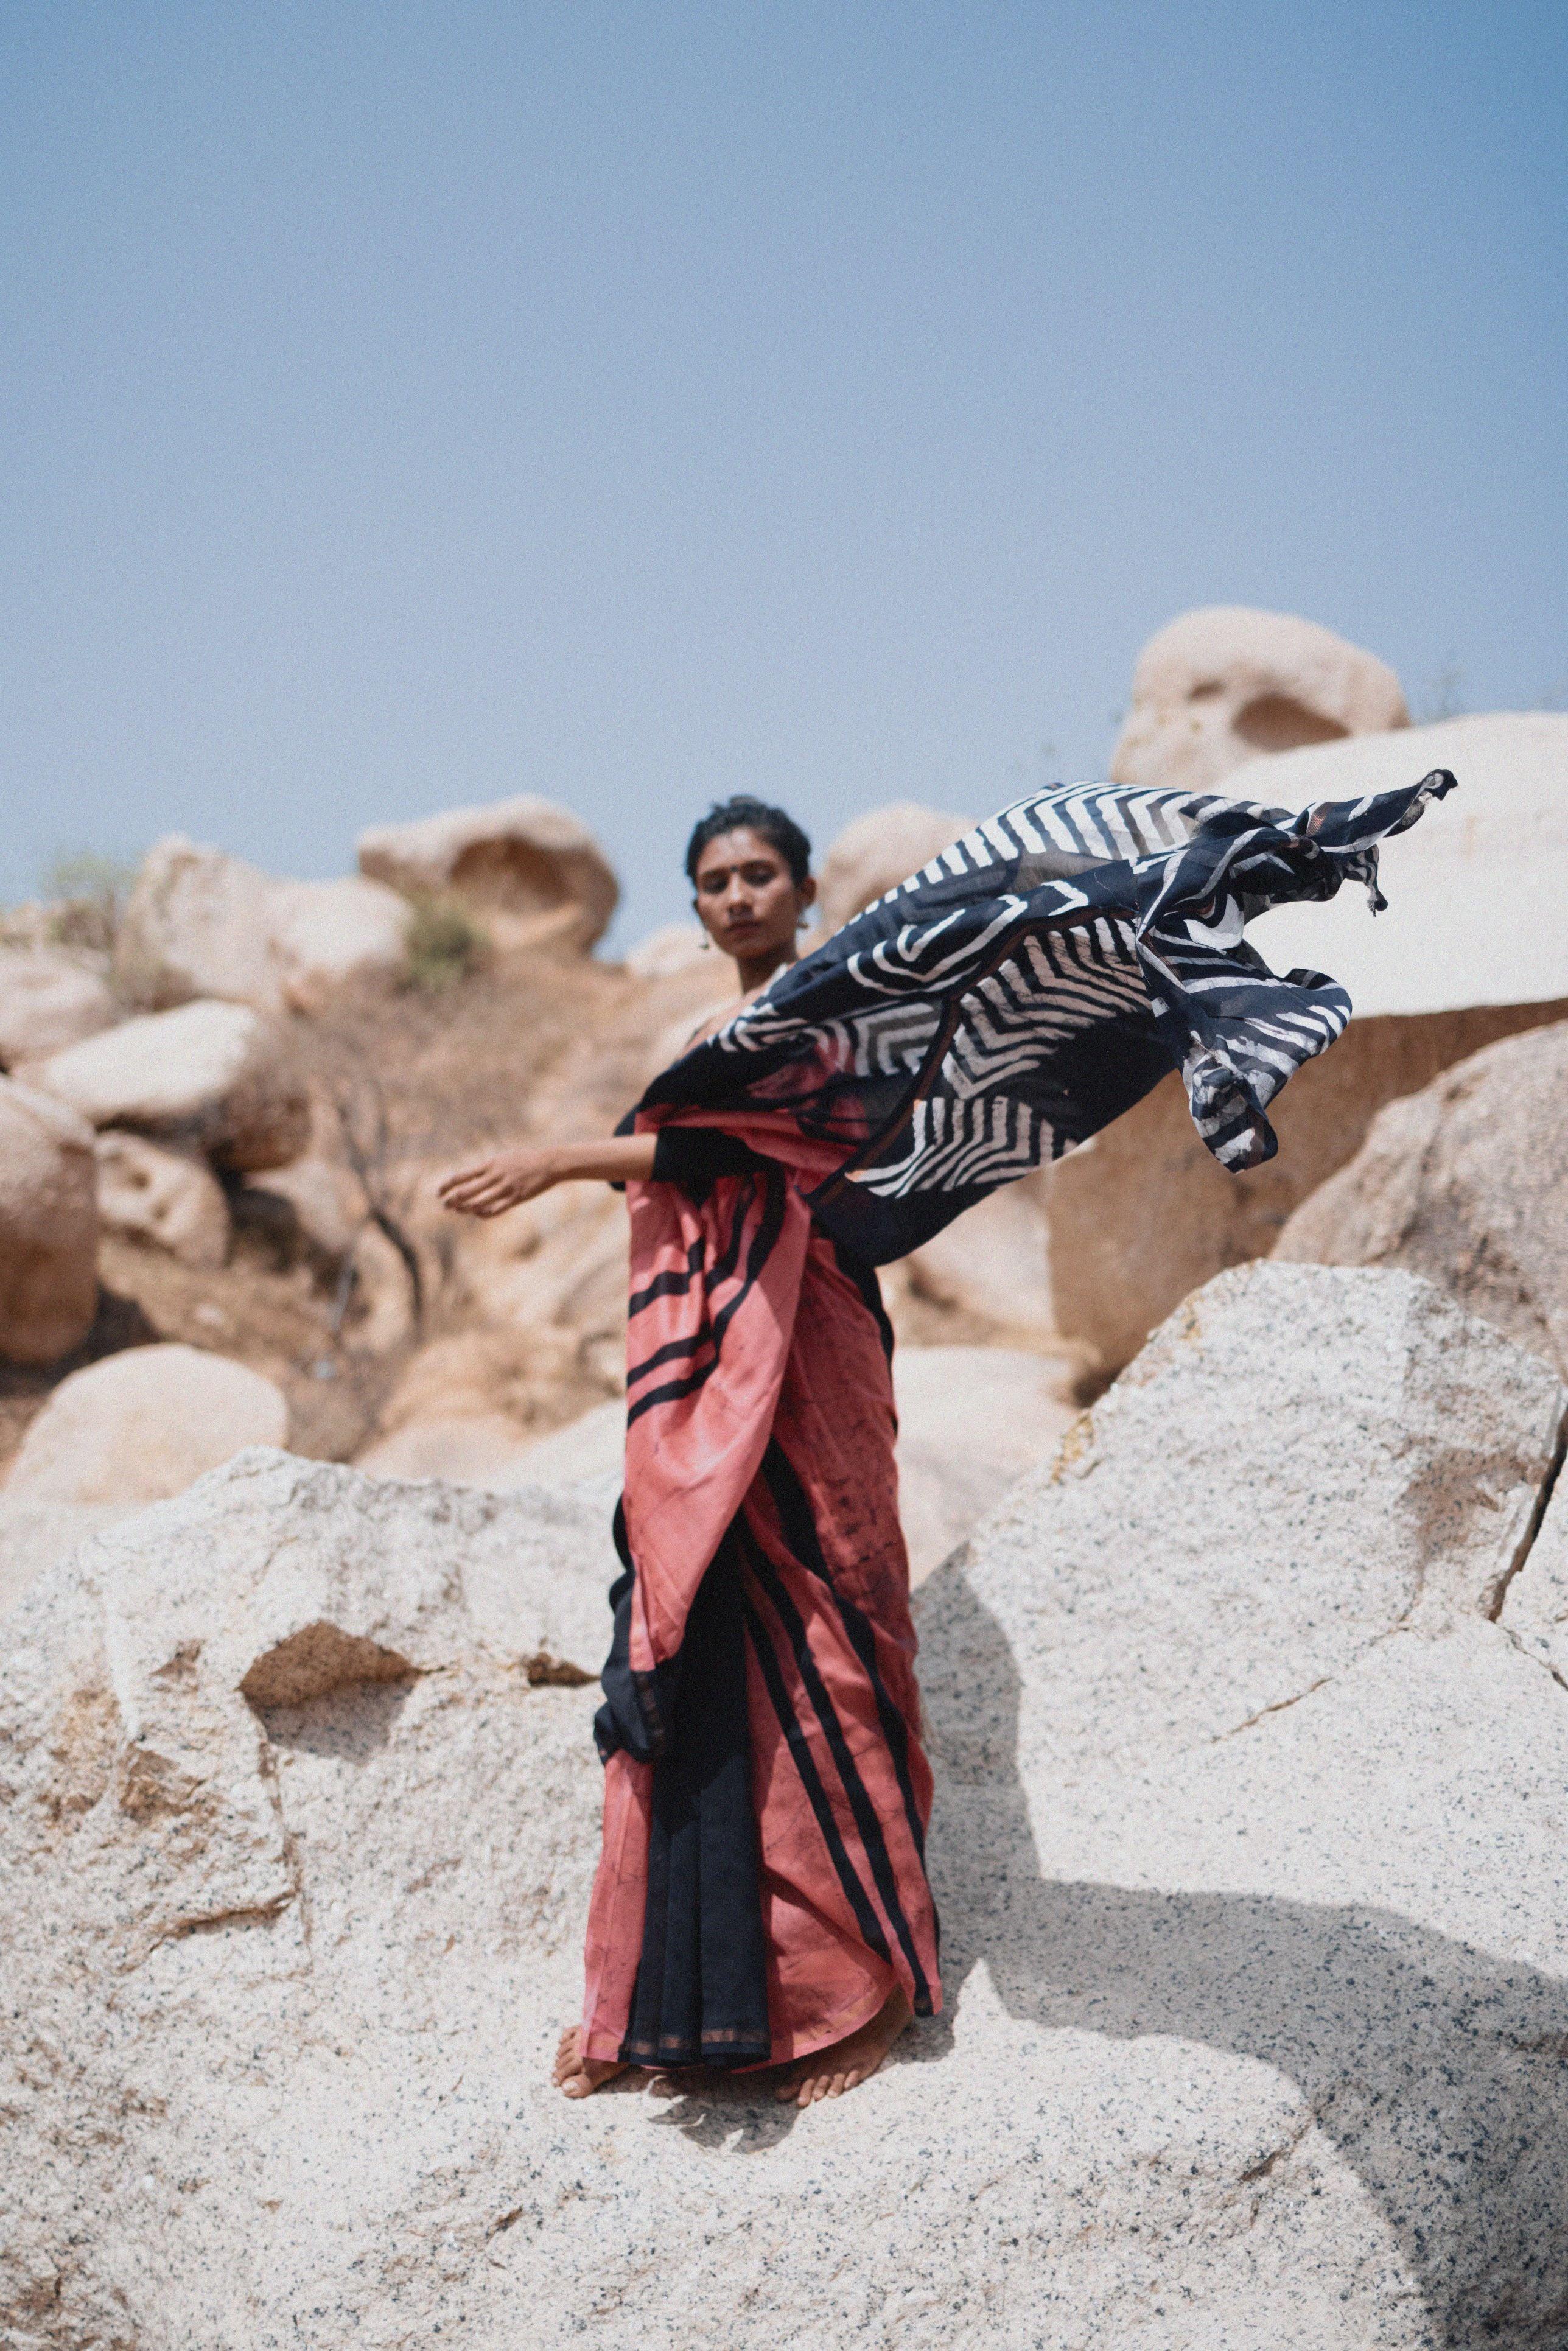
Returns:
(761, 1887)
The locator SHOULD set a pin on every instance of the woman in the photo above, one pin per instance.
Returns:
(762, 1898)
(761, 1894)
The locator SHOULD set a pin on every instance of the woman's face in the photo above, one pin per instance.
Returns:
(747, 899)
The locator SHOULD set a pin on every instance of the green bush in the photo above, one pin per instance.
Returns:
(444, 944)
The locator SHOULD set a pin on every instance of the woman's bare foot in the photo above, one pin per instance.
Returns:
(828, 2073)
(578, 2075)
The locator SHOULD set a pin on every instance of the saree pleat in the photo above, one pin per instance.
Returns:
(739, 1933)
(701, 1995)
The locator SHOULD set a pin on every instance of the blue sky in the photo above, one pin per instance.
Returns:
(632, 403)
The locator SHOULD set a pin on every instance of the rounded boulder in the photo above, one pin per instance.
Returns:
(215, 1077)
(529, 868)
(878, 851)
(141, 1426)
(1222, 683)
(48, 1226)
(165, 1197)
(48, 1000)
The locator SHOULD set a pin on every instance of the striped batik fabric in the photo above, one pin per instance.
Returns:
(761, 1887)
(1033, 982)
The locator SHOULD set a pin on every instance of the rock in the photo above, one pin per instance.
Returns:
(1475, 890)
(324, 932)
(184, 1707)
(163, 1196)
(1468, 1184)
(970, 1421)
(48, 1226)
(1315, 1456)
(1471, 949)
(141, 1425)
(202, 924)
(1535, 1609)
(528, 867)
(994, 1262)
(215, 1077)
(324, 1207)
(1254, 2025)
(48, 1000)
(1218, 686)
(674, 947)
(197, 923)
(588, 1449)
(1248, 1838)
(877, 851)
(464, 1448)
(34, 1535)
(470, 1407)
(560, 1260)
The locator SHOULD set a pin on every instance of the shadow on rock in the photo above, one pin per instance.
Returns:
(1438, 2071)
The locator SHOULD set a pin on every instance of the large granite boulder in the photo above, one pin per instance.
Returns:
(559, 1262)
(200, 923)
(142, 1425)
(878, 851)
(49, 998)
(672, 949)
(1473, 947)
(971, 1420)
(1475, 890)
(1247, 1847)
(528, 868)
(326, 933)
(197, 923)
(1466, 1182)
(1535, 1608)
(215, 1077)
(467, 1407)
(1218, 686)
(1249, 1834)
(990, 1266)
(48, 1226)
(33, 1534)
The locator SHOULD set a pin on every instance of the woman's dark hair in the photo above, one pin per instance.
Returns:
(780, 833)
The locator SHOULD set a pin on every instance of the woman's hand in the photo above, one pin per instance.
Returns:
(490, 1186)
(507, 1179)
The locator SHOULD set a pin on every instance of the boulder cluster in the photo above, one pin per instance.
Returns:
(1247, 1686)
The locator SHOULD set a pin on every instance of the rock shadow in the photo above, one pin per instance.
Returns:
(348, 1724)
(1439, 2071)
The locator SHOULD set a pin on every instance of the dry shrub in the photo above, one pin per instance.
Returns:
(445, 945)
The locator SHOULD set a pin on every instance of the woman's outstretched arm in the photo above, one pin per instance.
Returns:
(507, 1179)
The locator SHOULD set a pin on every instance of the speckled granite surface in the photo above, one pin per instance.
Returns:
(1250, 1846)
